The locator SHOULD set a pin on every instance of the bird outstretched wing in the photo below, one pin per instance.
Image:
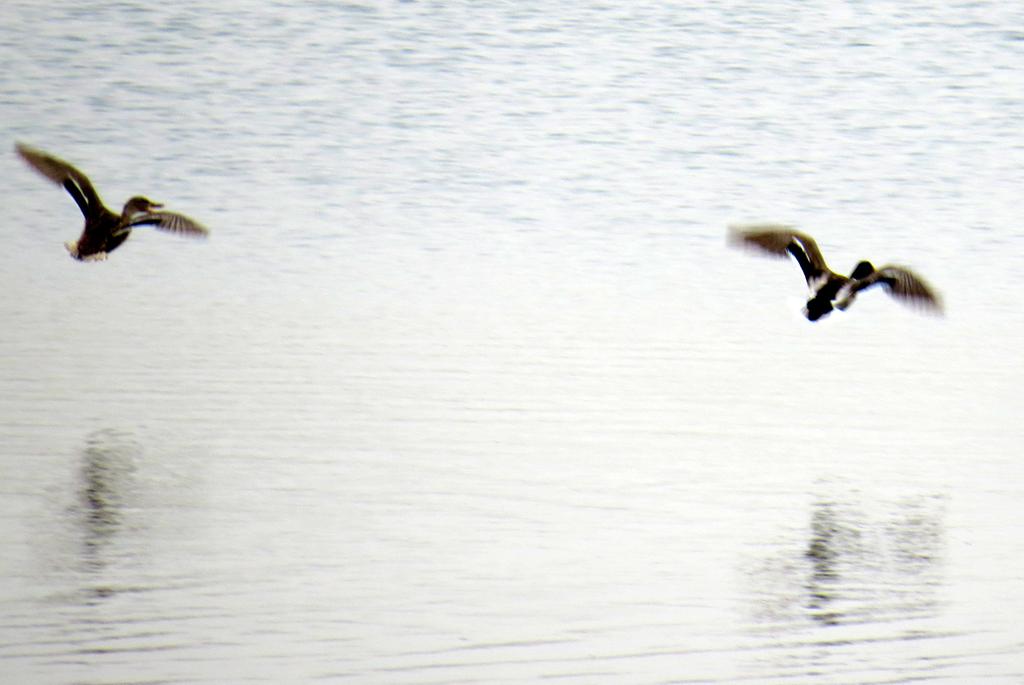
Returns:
(172, 222)
(903, 284)
(63, 174)
(780, 240)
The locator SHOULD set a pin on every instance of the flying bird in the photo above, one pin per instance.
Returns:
(104, 230)
(829, 289)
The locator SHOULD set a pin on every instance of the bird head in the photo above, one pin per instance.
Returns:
(139, 205)
(862, 270)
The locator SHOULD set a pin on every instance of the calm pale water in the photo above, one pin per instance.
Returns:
(466, 386)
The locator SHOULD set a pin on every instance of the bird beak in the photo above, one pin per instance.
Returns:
(156, 205)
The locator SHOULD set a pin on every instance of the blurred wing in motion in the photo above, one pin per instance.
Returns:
(903, 284)
(65, 175)
(172, 223)
(779, 240)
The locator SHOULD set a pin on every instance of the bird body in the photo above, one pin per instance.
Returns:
(104, 230)
(831, 290)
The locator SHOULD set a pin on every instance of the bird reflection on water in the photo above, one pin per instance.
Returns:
(829, 538)
(104, 480)
(855, 568)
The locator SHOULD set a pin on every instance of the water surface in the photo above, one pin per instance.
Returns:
(466, 385)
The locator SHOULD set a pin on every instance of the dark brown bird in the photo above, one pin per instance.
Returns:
(104, 230)
(828, 288)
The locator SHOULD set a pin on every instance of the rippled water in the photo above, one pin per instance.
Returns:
(466, 385)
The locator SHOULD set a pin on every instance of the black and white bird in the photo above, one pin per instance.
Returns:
(104, 230)
(829, 289)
